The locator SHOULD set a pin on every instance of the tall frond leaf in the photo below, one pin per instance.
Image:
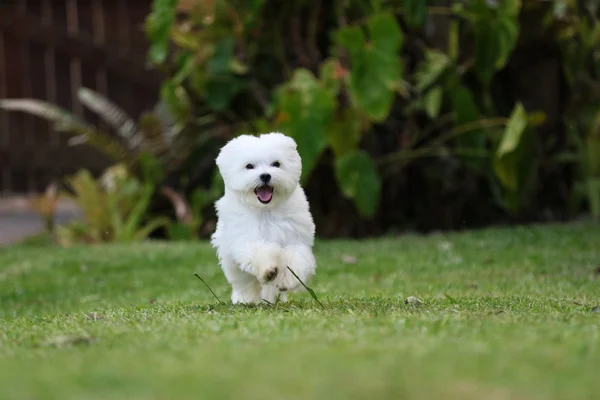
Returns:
(112, 114)
(62, 119)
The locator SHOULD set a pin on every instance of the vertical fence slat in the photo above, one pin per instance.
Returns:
(99, 35)
(123, 27)
(50, 69)
(31, 152)
(27, 92)
(75, 63)
(4, 128)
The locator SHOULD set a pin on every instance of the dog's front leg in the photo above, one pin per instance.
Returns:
(301, 260)
(244, 286)
(261, 259)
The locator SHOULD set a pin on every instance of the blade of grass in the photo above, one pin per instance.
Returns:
(312, 292)
(450, 298)
(206, 284)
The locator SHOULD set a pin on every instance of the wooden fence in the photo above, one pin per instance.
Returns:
(50, 48)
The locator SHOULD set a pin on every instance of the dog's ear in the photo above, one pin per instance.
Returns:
(222, 155)
(286, 141)
(230, 148)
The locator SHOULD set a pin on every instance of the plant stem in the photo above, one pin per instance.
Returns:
(206, 284)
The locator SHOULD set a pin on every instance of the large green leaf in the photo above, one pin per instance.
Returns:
(305, 109)
(496, 33)
(345, 133)
(359, 180)
(376, 69)
(353, 39)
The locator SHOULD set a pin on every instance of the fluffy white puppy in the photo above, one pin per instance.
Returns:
(264, 222)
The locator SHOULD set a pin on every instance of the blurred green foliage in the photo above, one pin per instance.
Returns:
(407, 113)
(348, 81)
(115, 208)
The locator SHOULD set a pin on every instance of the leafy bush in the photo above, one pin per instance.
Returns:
(370, 98)
(578, 36)
(114, 208)
(406, 112)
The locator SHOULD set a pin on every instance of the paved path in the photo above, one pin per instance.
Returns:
(18, 222)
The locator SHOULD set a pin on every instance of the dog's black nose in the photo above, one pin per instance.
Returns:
(265, 177)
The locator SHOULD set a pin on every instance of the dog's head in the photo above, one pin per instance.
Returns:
(262, 170)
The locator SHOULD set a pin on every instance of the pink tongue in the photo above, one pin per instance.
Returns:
(264, 193)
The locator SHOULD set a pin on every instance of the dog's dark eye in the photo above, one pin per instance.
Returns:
(249, 166)
(276, 164)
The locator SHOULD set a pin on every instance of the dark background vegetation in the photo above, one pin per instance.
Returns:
(409, 114)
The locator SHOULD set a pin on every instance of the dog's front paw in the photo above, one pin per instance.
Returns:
(269, 274)
(265, 263)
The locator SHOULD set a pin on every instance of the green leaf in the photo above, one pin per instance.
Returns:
(329, 75)
(220, 91)
(359, 180)
(505, 163)
(415, 12)
(510, 8)
(433, 101)
(143, 232)
(135, 217)
(385, 34)
(305, 111)
(185, 66)
(176, 98)
(514, 131)
(222, 82)
(152, 171)
(353, 39)
(496, 35)
(431, 68)
(376, 70)
(466, 112)
(345, 132)
(487, 50)
(508, 34)
(158, 28)
(465, 109)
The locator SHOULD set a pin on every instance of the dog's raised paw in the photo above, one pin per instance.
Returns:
(270, 274)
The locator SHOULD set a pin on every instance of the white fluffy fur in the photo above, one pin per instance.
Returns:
(254, 241)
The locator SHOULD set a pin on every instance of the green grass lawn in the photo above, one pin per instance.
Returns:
(506, 314)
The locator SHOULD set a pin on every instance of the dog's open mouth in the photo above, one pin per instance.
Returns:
(264, 194)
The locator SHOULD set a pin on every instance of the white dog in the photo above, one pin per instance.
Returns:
(264, 223)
